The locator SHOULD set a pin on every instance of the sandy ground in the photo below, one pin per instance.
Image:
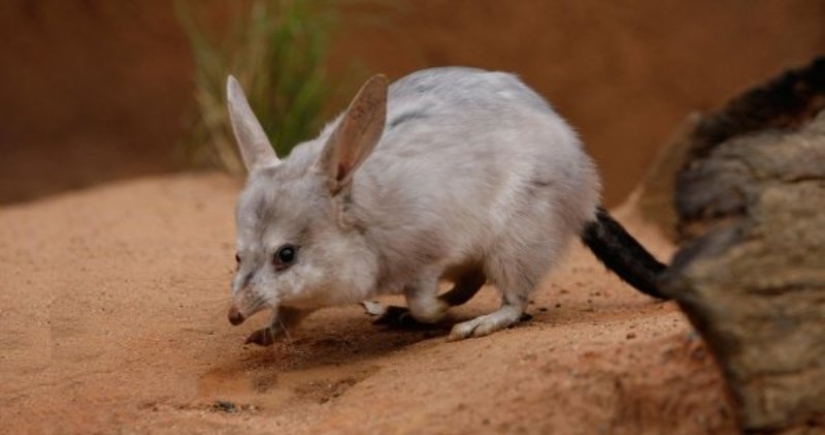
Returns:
(112, 320)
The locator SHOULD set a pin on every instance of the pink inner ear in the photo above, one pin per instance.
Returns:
(342, 171)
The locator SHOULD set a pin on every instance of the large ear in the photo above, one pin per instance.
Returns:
(255, 148)
(356, 135)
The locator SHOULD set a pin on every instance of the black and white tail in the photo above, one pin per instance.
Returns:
(622, 254)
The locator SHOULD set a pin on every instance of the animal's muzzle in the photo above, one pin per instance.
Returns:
(235, 316)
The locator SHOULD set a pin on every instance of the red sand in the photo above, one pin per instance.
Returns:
(112, 319)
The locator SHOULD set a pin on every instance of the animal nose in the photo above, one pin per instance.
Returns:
(235, 316)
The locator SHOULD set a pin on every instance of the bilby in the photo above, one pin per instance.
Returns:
(453, 174)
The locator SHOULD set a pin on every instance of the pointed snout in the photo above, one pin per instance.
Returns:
(235, 316)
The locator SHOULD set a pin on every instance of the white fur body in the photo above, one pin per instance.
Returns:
(474, 178)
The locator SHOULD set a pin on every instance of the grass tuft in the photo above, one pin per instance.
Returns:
(277, 49)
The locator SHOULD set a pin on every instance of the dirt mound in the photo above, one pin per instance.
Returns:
(112, 319)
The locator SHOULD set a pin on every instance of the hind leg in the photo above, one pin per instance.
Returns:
(464, 289)
(516, 274)
(425, 305)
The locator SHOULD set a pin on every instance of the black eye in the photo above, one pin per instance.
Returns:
(237, 258)
(285, 255)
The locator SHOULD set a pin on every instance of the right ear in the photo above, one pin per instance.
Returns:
(356, 136)
(256, 150)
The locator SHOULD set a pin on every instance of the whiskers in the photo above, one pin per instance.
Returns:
(288, 338)
(257, 303)
(219, 303)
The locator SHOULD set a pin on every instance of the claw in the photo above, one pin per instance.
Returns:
(374, 308)
(262, 337)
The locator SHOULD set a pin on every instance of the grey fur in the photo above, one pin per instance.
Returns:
(475, 177)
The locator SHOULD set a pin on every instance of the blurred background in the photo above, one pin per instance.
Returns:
(94, 91)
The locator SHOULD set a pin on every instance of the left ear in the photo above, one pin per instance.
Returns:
(356, 135)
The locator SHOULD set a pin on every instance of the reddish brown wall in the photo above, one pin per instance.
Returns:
(91, 91)
(94, 90)
(624, 73)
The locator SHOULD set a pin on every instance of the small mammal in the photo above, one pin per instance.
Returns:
(454, 174)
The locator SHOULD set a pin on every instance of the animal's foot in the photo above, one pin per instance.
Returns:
(487, 324)
(400, 318)
(265, 336)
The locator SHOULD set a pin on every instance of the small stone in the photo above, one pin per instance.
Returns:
(225, 406)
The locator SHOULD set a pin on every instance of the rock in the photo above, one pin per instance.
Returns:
(750, 275)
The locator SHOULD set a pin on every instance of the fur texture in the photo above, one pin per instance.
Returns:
(451, 173)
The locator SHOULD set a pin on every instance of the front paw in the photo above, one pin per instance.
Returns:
(399, 317)
(264, 336)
